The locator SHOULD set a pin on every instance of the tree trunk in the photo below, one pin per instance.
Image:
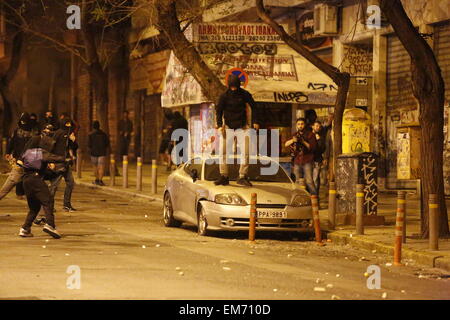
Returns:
(169, 26)
(341, 79)
(428, 89)
(9, 102)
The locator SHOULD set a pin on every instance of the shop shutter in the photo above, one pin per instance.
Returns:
(399, 90)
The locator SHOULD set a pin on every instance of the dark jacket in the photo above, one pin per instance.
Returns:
(321, 144)
(125, 128)
(232, 107)
(48, 157)
(17, 142)
(98, 143)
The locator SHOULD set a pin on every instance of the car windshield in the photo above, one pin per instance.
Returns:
(254, 172)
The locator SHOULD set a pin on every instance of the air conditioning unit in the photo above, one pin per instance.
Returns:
(325, 19)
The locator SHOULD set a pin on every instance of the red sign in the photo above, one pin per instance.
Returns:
(242, 75)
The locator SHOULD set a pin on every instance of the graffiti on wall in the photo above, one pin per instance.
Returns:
(358, 60)
(369, 176)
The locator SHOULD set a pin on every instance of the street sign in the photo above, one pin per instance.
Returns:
(242, 75)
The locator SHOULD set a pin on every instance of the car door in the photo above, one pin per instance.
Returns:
(186, 194)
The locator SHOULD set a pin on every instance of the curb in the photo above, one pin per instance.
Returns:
(429, 259)
(121, 193)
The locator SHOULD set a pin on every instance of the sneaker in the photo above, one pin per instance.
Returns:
(69, 208)
(25, 233)
(101, 183)
(40, 221)
(244, 181)
(95, 182)
(51, 231)
(222, 181)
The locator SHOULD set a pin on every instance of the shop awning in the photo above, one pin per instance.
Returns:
(274, 71)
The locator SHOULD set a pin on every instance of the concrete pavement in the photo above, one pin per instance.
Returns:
(380, 238)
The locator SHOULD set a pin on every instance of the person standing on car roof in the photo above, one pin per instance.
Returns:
(233, 116)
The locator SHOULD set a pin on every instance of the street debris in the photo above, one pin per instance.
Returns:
(146, 216)
(251, 252)
(346, 258)
(181, 273)
(143, 246)
(289, 255)
(374, 251)
(319, 280)
(44, 247)
(224, 261)
(47, 240)
(319, 289)
(335, 297)
(388, 264)
(351, 235)
(363, 259)
(226, 269)
(384, 295)
(158, 245)
(177, 269)
(67, 254)
(45, 255)
(275, 290)
(403, 291)
(338, 275)
(330, 286)
(328, 240)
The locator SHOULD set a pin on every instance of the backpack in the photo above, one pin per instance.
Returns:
(33, 158)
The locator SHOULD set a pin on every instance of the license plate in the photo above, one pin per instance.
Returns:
(271, 214)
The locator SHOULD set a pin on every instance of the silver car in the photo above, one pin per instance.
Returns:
(191, 196)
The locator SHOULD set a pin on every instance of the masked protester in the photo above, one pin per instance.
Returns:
(234, 119)
(14, 150)
(35, 130)
(49, 118)
(65, 146)
(36, 160)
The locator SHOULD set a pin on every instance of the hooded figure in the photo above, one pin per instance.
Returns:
(20, 136)
(234, 81)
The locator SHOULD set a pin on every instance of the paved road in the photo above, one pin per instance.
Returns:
(124, 252)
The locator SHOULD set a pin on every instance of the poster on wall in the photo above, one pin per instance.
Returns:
(403, 156)
(276, 72)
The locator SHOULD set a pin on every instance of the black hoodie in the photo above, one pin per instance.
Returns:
(20, 136)
(232, 105)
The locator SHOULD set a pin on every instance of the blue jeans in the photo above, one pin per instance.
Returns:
(316, 175)
(306, 171)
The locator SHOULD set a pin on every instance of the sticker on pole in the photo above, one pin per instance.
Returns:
(242, 75)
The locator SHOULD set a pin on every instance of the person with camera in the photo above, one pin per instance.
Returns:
(303, 145)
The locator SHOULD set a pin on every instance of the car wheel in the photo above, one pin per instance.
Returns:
(169, 220)
(202, 223)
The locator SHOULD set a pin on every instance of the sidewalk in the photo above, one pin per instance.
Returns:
(380, 238)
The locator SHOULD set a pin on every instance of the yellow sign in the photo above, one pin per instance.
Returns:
(355, 131)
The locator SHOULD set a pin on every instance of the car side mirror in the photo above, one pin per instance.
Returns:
(194, 175)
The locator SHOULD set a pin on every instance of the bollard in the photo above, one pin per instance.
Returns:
(112, 170)
(79, 162)
(315, 210)
(125, 172)
(433, 223)
(359, 209)
(139, 174)
(332, 206)
(399, 225)
(4, 143)
(154, 177)
(403, 203)
(252, 222)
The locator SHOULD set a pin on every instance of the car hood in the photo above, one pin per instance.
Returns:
(267, 193)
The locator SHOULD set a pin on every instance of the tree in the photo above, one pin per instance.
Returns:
(341, 79)
(10, 105)
(428, 89)
(168, 24)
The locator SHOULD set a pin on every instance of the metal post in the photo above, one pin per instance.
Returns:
(433, 223)
(154, 177)
(79, 162)
(315, 210)
(399, 224)
(112, 170)
(332, 206)
(359, 209)
(125, 172)
(252, 224)
(4, 143)
(139, 174)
